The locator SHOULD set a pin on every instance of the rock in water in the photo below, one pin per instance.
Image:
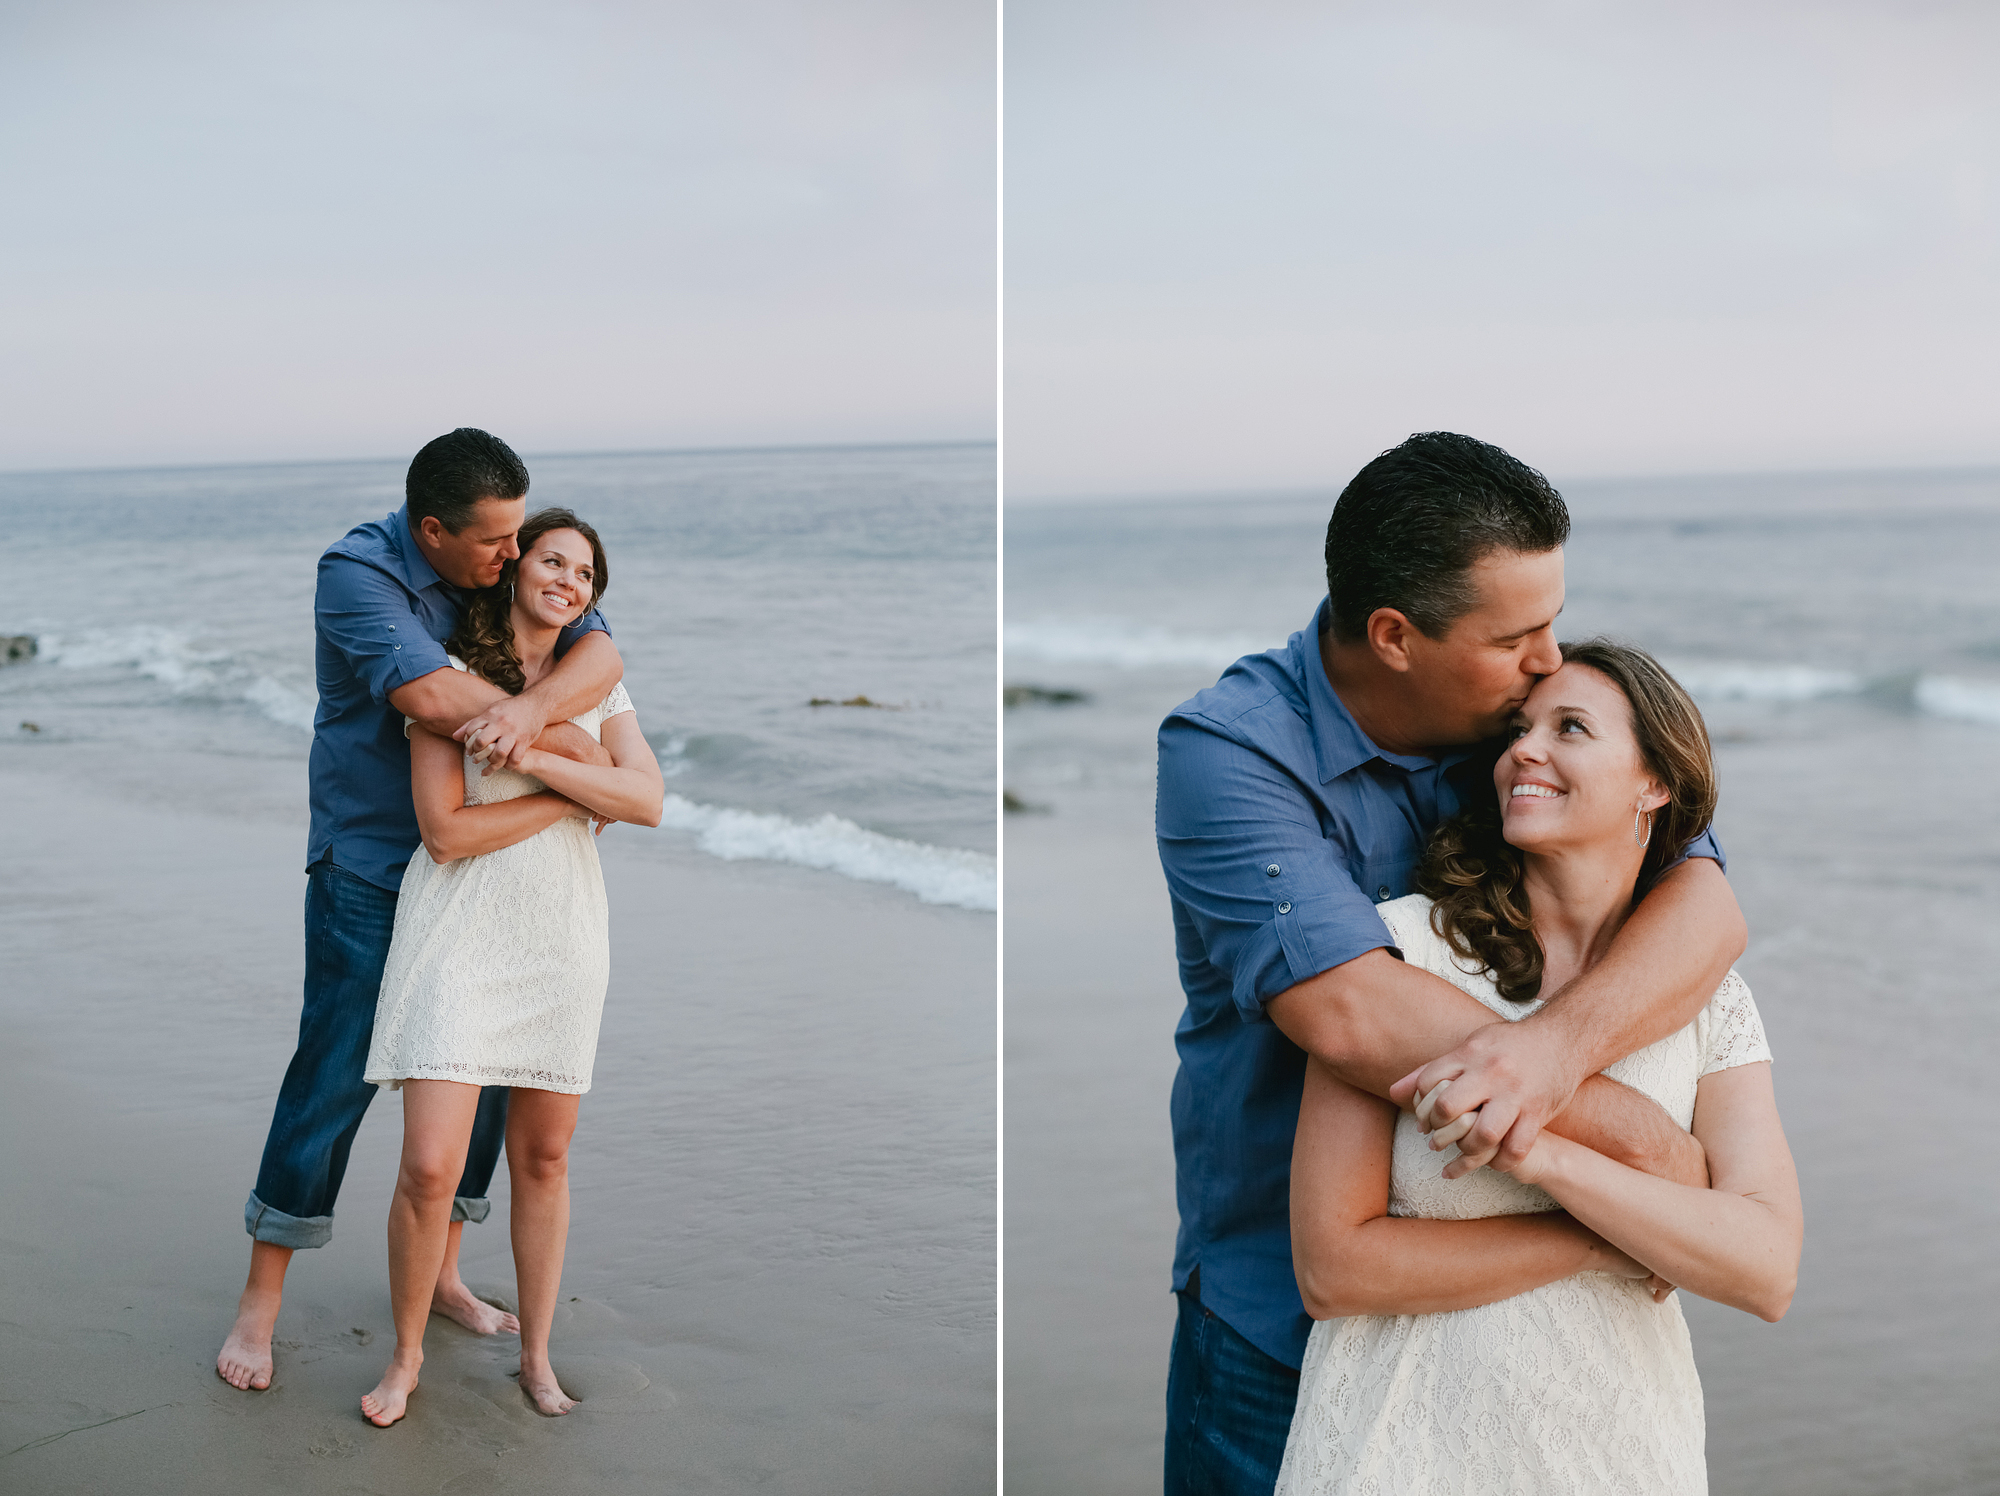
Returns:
(15, 648)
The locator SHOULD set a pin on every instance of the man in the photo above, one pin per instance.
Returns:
(389, 595)
(1297, 793)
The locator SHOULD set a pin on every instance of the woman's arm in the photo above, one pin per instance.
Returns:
(451, 829)
(512, 725)
(1736, 1242)
(1352, 1257)
(631, 789)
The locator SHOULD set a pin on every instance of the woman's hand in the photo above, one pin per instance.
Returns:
(1605, 1258)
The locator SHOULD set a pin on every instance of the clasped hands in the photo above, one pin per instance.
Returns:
(503, 737)
(1491, 1096)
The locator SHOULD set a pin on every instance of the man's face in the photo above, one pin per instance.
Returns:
(1473, 679)
(475, 555)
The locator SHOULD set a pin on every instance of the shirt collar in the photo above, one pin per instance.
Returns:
(1339, 744)
(417, 569)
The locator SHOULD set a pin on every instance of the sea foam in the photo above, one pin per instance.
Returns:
(1126, 646)
(1959, 700)
(1723, 680)
(936, 875)
(169, 657)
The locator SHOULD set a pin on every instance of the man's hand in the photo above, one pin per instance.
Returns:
(1599, 1114)
(501, 735)
(1515, 1075)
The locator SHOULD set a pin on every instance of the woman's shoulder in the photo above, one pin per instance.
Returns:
(1409, 921)
(1730, 1029)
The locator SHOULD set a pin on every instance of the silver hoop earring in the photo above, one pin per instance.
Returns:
(1642, 827)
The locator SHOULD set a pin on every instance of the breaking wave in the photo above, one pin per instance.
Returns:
(167, 656)
(1722, 680)
(1126, 646)
(1958, 700)
(936, 875)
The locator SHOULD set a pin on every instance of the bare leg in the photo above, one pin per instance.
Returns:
(455, 1301)
(437, 1126)
(539, 1125)
(245, 1361)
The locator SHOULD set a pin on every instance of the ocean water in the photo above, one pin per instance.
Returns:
(173, 610)
(1843, 636)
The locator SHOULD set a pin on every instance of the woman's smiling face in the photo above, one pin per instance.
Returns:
(557, 579)
(1573, 775)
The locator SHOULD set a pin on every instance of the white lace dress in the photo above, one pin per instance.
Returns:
(497, 969)
(1583, 1385)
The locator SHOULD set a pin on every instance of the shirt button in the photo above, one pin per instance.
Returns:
(1382, 893)
(392, 628)
(1285, 908)
(399, 646)
(1273, 870)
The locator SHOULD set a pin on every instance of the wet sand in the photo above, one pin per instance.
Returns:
(780, 1268)
(1873, 956)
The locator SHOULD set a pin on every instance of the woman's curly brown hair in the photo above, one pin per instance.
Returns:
(485, 635)
(1475, 875)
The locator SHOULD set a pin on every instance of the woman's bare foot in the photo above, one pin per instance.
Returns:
(391, 1398)
(458, 1303)
(245, 1361)
(539, 1383)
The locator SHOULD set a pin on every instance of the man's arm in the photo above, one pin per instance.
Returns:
(445, 699)
(365, 616)
(1661, 970)
(1368, 1018)
(505, 729)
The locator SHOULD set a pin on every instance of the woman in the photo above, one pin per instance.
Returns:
(1518, 1334)
(497, 969)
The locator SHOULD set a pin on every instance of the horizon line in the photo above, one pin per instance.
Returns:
(1300, 490)
(191, 467)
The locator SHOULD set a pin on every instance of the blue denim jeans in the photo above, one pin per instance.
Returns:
(1229, 1408)
(348, 924)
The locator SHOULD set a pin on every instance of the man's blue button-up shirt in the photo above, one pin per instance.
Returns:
(1281, 827)
(381, 615)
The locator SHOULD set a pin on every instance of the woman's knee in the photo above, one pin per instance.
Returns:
(430, 1179)
(539, 1160)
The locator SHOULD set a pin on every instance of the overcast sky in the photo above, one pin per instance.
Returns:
(1250, 245)
(328, 229)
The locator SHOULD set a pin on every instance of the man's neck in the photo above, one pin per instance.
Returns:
(1376, 698)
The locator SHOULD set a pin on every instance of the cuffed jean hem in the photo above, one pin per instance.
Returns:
(475, 1211)
(267, 1224)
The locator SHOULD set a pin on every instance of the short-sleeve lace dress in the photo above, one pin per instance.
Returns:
(498, 965)
(1583, 1385)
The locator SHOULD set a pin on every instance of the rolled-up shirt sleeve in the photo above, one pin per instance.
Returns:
(1704, 845)
(1264, 890)
(591, 623)
(366, 616)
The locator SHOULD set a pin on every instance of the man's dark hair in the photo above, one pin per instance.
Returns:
(1407, 531)
(452, 474)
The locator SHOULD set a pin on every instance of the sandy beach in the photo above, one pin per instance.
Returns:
(780, 1273)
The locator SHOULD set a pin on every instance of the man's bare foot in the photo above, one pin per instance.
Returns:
(539, 1383)
(245, 1361)
(391, 1398)
(458, 1303)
